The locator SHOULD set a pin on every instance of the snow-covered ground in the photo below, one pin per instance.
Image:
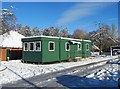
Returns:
(16, 70)
(106, 76)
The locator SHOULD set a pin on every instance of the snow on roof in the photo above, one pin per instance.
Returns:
(54, 37)
(75, 42)
(11, 39)
(95, 47)
(42, 36)
(58, 38)
(87, 40)
(71, 38)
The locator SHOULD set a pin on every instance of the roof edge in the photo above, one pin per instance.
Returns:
(53, 37)
(87, 40)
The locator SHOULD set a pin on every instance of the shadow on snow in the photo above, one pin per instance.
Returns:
(71, 82)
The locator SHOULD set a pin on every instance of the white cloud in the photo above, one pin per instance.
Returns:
(112, 19)
(79, 11)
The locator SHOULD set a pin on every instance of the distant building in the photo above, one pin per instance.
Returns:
(95, 48)
(10, 46)
(115, 50)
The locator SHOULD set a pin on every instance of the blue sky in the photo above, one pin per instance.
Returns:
(73, 15)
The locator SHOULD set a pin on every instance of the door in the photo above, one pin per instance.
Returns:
(73, 51)
(3, 54)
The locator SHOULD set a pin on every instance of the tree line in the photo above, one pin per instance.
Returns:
(103, 37)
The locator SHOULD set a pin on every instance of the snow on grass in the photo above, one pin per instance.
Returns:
(17, 70)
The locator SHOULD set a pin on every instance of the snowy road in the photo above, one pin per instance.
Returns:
(89, 76)
(16, 70)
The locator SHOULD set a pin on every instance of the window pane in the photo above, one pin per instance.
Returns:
(51, 46)
(38, 46)
(26, 46)
(87, 47)
(79, 46)
(67, 46)
(31, 46)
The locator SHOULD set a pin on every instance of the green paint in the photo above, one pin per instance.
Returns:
(59, 54)
(50, 56)
(7, 54)
(85, 52)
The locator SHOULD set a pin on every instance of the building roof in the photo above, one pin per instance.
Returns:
(74, 42)
(42, 36)
(57, 38)
(11, 39)
(95, 47)
(116, 46)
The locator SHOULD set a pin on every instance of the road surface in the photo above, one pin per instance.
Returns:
(73, 77)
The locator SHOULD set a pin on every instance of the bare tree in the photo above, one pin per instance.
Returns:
(18, 27)
(51, 31)
(103, 37)
(55, 31)
(24, 30)
(8, 20)
(36, 31)
(1, 23)
(64, 32)
(79, 34)
(113, 31)
(46, 32)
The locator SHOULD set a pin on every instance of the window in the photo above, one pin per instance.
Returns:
(25, 46)
(38, 46)
(87, 47)
(51, 46)
(67, 46)
(31, 46)
(79, 46)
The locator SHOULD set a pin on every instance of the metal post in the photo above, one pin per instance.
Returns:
(59, 45)
(111, 51)
(100, 45)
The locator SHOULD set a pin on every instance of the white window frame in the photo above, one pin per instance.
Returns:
(53, 45)
(27, 46)
(86, 47)
(35, 45)
(66, 46)
(78, 46)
